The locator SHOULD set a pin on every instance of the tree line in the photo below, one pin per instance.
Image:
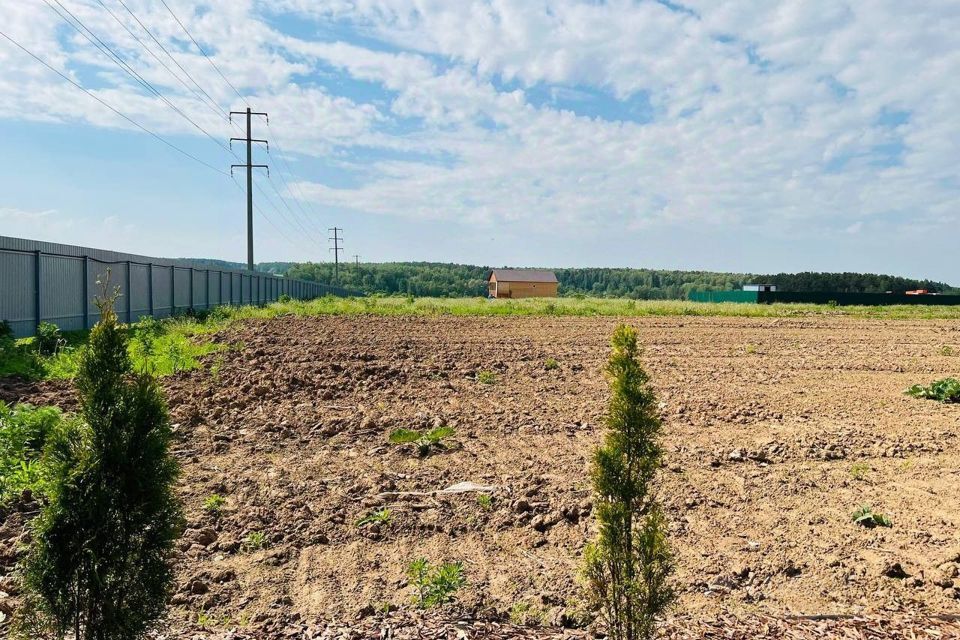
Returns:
(458, 280)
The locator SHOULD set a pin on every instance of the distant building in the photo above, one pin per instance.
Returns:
(522, 283)
(759, 287)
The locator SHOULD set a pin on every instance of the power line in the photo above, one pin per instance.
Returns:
(209, 59)
(200, 96)
(144, 129)
(293, 177)
(119, 61)
(111, 107)
(175, 61)
(306, 216)
(286, 204)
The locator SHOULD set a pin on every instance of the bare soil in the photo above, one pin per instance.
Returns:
(765, 420)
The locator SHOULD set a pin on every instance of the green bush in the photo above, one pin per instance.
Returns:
(49, 338)
(946, 390)
(284, 298)
(6, 335)
(435, 585)
(99, 562)
(24, 431)
(627, 568)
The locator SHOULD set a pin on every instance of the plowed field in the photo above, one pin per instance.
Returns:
(776, 431)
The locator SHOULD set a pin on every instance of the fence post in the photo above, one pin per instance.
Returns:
(129, 295)
(207, 272)
(86, 292)
(173, 290)
(191, 288)
(150, 286)
(38, 294)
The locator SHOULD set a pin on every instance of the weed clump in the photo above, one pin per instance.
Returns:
(859, 470)
(550, 364)
(865, 516)
(49, 339)
(381, 517)
(214, 505)
(24, 431)
(425, 441)
(99, 563)
(435, 585)
(946, 390)
(627, 568)
(487, 377)
(254, 541)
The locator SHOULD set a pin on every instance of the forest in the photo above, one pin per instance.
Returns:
(457, 280)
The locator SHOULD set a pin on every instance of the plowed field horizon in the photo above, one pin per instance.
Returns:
(776, 431)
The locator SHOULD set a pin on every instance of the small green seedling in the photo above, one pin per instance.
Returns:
(424, 441)
(485, 501)
(946, 350)
(946, 390)
(550, 364)
(214, 504)
(254, 541)
(381, 516)
(487, 377)
(859, 470)
(435, 585)
(866, 517)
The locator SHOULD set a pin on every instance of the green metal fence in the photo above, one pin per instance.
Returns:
(822, 297)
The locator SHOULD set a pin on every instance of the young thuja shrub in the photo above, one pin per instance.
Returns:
(99, 564)
(550, 364)
(627, 568)
(425, 441)
(435, 585)
(284, 298)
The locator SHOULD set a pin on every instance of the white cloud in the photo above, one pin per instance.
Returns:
(765, 114)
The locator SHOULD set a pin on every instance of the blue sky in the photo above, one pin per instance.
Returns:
(746, 136)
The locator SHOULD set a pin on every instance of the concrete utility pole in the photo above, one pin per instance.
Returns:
(336, 248)
(249, 167)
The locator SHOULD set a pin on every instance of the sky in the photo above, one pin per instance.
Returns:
(749, 136)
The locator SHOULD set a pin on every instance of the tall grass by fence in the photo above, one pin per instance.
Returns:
(43, 281)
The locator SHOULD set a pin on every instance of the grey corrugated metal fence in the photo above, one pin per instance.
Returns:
(43, 281)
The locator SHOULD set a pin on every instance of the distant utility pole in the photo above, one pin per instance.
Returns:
(356, 259)
(250, 167)
(336, 248)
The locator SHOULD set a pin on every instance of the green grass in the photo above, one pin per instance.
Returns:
(162, 346)
(24, 430)
(179, 344)
(615, 307)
